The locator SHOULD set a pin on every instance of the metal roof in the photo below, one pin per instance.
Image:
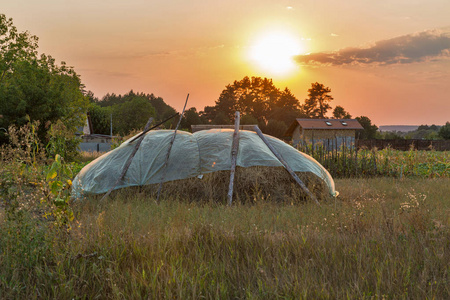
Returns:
(324, 124)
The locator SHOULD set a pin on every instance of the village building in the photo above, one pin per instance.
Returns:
(330, 133)
(92, 142)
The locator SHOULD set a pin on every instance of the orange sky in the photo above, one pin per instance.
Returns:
(397, 72)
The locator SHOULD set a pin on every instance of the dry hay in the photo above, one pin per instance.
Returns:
(251, 185)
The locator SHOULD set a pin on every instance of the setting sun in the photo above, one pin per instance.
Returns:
(274, 52)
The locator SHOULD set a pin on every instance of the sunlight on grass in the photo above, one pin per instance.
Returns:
(382, 236)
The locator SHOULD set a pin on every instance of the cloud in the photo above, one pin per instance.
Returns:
(417, 47)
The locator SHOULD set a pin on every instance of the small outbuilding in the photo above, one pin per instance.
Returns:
(328, 132)
(90, 141)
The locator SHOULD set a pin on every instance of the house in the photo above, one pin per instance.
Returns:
(91, 141)
(331, 133)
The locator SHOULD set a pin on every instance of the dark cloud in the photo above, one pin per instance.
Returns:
(423, 46)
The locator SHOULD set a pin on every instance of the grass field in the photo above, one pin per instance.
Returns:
(382, 238)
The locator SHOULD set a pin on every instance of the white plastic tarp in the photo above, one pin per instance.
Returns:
(191, 155)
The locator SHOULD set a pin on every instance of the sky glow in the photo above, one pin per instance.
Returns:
(388, 60)
(275, 51)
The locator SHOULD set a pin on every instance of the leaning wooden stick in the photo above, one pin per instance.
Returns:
(280, 158)
(130, 159)
(168, 151)
(234, 152)
(153, 127)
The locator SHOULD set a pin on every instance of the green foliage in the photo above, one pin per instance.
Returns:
(424, 132)
(390, 135)
(24, 145)
(130, 112)
(248, 120)
(191, 117)
(131, 115)
(221, 119)
(163, 111)
(381, 237)
(34, 88)
(28, 184)
(58, 177)
(369, 131)
(62, 141)
(180, 248)
(275, 128)
(257, 97)
(444, 131)
(14, 46)
(100, 118)
(348, 162)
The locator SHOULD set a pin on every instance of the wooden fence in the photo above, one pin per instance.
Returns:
(405, 145)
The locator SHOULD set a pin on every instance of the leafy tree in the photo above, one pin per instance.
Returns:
(248, 120)
(433, 136)
(34, 88)
(112, 103)
(208, 114)
(275, 128)
(340, 113)
(92, 99)
(131, 115)
(221, 119)
(370, 129)
(227, 102)
(100, 118)
(257, 97)
(191, 117)
(287, 109)
(424, 132)
(163, 111)
(389, 135)
(14, 46)
(317, 103)
(423, 127)
(444, 131)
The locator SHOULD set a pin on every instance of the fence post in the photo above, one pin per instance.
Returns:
(234, 152)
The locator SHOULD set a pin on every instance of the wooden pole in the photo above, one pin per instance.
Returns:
(128, 163)
(169, 150)
(234, 152)
(288, 168)
(156, 125)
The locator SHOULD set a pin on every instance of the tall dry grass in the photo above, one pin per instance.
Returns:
(251, 185)
(382, 238)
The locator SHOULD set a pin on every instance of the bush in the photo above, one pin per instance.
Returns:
(444, 131)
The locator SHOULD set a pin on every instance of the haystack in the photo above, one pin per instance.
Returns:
(193, 156)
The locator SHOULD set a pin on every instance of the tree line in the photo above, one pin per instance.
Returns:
(33, 87)
(258, 99)
(423, 132)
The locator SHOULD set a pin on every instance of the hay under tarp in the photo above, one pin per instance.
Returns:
(194, 155)
(253, 184)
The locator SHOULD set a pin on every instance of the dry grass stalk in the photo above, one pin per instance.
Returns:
(252, 185)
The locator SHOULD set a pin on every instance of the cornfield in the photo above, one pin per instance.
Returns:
(348, 162)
